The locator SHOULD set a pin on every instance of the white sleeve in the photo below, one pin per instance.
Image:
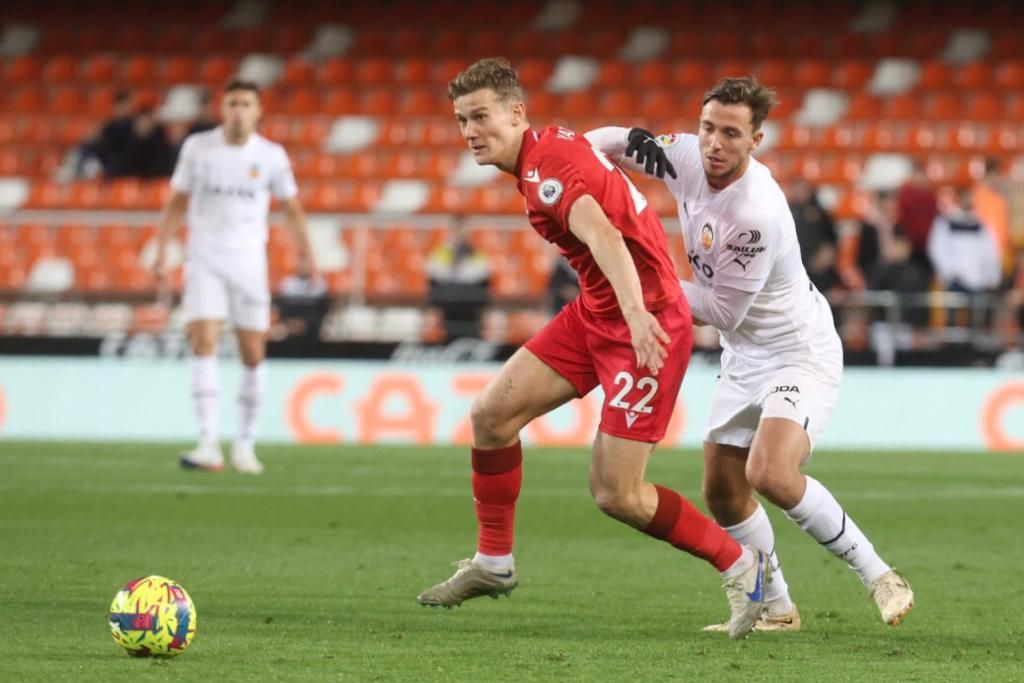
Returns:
(612, 140)
(937, 241)
(721, 307)
(282, 182)
(744, 254)
(184, 169)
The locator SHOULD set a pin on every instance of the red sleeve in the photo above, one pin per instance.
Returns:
(560, 182)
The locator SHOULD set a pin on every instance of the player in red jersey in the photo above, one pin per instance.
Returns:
(628, 331)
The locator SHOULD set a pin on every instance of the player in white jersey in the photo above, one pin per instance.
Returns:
(225, 178)
(782, 359)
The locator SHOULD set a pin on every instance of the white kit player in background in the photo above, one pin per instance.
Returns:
(782, 359)
(225, 178)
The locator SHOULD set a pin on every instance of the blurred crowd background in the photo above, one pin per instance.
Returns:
(899, 140)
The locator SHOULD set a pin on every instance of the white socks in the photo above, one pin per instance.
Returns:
(494, 563)
(205, 380)
(756, 531)
(250, 397)
(819, 514)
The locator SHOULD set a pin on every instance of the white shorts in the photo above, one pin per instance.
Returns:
(804, 393)
(232, 289)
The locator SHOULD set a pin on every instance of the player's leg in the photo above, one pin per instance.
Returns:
(794, 413)
(205, 304)
(637, 410)
(525, 387)
(729, 496)
(620, 490)
(252, 346)
(250, 313)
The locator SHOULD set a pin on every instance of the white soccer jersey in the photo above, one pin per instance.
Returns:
(743, 237)
(229, 188)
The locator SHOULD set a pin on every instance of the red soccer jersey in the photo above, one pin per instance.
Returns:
(555, 168)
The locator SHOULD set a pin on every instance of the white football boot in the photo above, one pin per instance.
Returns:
(206, 456)
(894, 597)
(243, 459)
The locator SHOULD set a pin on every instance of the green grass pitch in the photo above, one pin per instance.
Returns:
(310, 572)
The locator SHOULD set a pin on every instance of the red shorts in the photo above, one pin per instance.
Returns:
(588, 351)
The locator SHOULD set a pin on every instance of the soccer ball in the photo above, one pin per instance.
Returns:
(152, 616)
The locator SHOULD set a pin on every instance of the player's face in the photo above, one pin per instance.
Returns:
(240, 110)
(727, 138)
(492, 128)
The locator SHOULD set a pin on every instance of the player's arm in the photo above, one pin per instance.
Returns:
(588, 222)
(635, 149)
(719, 306)
(170, 221)
(295, 220)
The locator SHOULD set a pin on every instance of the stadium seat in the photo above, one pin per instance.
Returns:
(852, 74)
(935, 74)
(943, 105)
(812, 73)
(177, 69)
(901, 108)
(99, 69)
(339, 101)
(66, 99)
(27, 99)
(298, 70)
(1010, 75)
(216, 70)
(60, 68)
(138, 69)
(976, 75)
(24, 69)
(413, 71)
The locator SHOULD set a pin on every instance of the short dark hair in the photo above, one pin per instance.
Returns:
(239, 84)
(744, 90)
(495, 73)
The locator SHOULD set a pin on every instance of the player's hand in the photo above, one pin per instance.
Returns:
(648, 340)
(159, 267)
(645, 149)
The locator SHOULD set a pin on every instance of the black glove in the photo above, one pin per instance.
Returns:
(649, 153)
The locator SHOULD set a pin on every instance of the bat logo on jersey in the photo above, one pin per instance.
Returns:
(254, 171)
(550, 191)
(707, 237)
(753, 236)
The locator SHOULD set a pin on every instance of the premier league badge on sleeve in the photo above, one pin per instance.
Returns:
(550, 191)
(667, 140)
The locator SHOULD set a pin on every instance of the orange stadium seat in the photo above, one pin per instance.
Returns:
(339, 101)
(652, 74)
(768, 44)
(138, 69)
(976, 75)
(487, 42)
(448, 42)
(211, 38)
(901, 108)
(812, 73)
(1010, 74)
(935, 74)
(423, 102)
(692, 74)
(337, 71)
(613, 74)
(732, 66)
(25, 69)
(985, 106)
(413, 71)
(534, 72)
(177, 69)
(99, 69)
(298, 70)
(216, 70)
(66, 99)
(578, 104)
(251, 40)
(775, 72)
(60, 68)
(10, 162)
(445, 69)
(607, 41)
(724, 44)
(943, 105)
(374, 71)
(289, 39)
(686, 43)
(302, 101)
(411, 41)
(27, 99)
(864, 107)
(852, 74)
(170, 39)
(379, 102)
(619, 104)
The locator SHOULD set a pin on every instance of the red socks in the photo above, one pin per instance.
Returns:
(679, 523)
(497, 479)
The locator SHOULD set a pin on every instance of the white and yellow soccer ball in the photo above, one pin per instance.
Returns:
(152, 616)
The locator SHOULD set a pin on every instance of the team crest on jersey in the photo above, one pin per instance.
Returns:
(550, 191)
(254, 171)
(707, 237)
(667, 140)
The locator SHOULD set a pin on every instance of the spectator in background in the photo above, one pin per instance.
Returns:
(207, 118)
(563, 286)
(898, 273)
(991, 204)
(918, 207)
(149, 153)
(1010, 321)
(817, 235)
(963, 251)
(872, 244)
(115, 137)
(302, 303)
(460, 278)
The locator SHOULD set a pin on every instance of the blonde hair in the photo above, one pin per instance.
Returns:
(495, 73)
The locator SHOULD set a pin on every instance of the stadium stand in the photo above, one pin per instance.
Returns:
(356, 93)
